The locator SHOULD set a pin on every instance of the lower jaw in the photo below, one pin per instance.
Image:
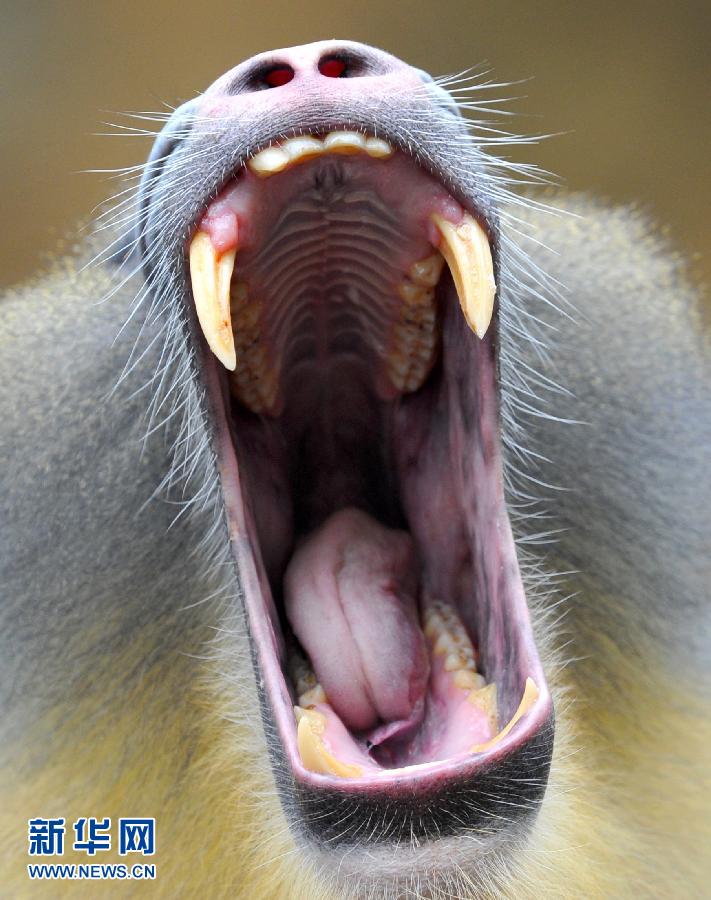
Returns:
(441, 458)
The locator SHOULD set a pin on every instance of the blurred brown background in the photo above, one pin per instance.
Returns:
(628, 82)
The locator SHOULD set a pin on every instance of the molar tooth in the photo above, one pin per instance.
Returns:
(426, 272)
(269, 161)
(378, 148)
(416, 378)
(210, 275)
(468, 254)
(444, 644)
(467, 680)
(461, 657)
(426, 341)
(413, 338)
(312, 749)
(312, 696)
(414, 294)
(405, 341)
(452, 662)
(316, 719)
(417, 317)
(344, 142)
(430, 629)
(399, 364)
(300, 671)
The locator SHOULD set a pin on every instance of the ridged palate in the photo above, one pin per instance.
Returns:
(327, 275)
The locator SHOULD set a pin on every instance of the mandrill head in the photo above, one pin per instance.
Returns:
(321, 236)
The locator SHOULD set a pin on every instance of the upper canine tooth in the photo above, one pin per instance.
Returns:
(344, 142)
(269, 161)
(210, 274)
(468, 254)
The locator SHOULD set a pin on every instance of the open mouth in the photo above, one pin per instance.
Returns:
(349, 299)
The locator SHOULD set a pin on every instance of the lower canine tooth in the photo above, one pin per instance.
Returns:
(530, 695)
(468, 254)
(210, 274)
(312, 749)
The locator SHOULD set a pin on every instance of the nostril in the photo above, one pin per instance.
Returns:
(333, 67)
(277, 76)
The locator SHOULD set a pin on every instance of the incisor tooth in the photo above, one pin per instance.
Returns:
(378, 148)
(344, 142)
(210, 274)
(468, 254)
(269, 161)
(312, 749)
(302, 148)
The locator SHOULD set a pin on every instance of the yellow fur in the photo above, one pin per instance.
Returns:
(626, 805)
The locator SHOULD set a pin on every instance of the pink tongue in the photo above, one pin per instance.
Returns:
(350, 594)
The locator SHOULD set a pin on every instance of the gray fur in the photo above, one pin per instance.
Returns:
(636, 505)
(77, 551)
(75, 545)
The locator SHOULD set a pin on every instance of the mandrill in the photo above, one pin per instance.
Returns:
(356, 515)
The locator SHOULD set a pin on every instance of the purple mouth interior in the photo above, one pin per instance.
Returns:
(366, 508)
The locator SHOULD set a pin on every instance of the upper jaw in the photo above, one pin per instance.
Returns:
(428, 231)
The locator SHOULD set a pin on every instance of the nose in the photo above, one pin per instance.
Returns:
(308, 65)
